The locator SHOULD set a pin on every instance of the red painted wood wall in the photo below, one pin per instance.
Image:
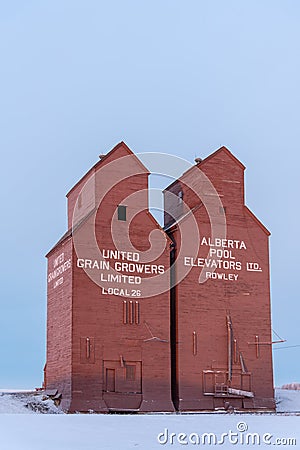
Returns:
(234, 305)
(137, 345)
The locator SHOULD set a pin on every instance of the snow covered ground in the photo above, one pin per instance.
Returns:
(21, 428)
(287, 401)
(25, 402)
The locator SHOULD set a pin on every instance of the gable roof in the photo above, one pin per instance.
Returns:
(222, 149)
(107, 156)
(68, 234)
(172, 226)
(250, 213)
(175, 222)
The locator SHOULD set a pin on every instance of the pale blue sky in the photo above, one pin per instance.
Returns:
(76, 77)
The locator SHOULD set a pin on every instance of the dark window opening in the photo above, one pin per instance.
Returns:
(222, 209)
(122, 212)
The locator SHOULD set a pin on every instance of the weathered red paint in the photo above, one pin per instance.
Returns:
(178, 339)
(87, 341)
(202, 311)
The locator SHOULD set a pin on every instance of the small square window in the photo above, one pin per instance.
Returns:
(122, 212)
(222, 209)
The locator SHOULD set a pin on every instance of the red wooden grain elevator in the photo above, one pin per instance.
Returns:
(108, 345)
(145, 319)
(220, 310)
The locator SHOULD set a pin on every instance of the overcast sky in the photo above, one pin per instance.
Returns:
(185, 78)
